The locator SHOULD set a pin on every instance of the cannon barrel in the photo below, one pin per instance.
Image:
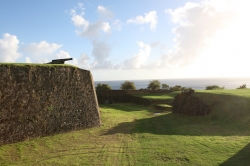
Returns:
(59, 61)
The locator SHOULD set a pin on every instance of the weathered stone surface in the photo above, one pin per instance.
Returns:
(185, 103)
(37, 101)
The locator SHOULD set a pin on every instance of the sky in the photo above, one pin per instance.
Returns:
(131, 40)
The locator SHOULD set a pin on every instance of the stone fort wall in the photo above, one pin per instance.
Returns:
(42, 100)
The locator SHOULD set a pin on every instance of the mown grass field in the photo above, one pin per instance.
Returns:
(168, 96)
(133, 135)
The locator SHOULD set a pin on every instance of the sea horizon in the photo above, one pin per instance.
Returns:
(195, 83)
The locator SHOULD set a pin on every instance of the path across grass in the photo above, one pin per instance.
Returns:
(133, 135)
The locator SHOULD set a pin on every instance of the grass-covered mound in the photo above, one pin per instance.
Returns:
(133, 135)
(228, 105)
(35, 64)
(187, 104)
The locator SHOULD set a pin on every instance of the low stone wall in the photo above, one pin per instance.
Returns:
(185, 103)
(42, 100)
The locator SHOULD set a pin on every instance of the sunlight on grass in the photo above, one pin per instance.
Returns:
(170, 95)
(132, 135)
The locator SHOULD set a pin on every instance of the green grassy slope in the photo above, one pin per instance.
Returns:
(158, 95)
(133, 135)
(228, 105)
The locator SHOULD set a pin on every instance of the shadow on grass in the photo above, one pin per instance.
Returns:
(126, 107)
(230, 116)
(173, 124)
(241, 158)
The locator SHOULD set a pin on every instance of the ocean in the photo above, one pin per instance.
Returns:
(195, 83)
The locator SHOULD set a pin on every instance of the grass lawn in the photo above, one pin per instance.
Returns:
(169, 97)
(132, 135)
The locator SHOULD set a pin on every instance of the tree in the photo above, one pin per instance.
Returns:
(176, 88)
(244, 86)
(102, 87)
(212, 87)
(154, 85)
(165, 86)
(128, 85)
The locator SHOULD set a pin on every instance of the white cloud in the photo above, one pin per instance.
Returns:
(101, 53)
(79, 21)
(149, 18)
(62, 54)
(136, 61)
(80, 5)
(87, 29)
(196, 22)
(9, 48)
(83, 60)
(104, 12)
(117, 25)
(155, 44)
(41, 48)
(43, 52)
(101, 50)
(93, 30)
(106, 27)
(28, 60)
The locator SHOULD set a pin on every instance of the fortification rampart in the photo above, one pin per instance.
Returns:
(42, 100)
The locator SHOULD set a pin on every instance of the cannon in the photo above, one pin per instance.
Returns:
(59, 61)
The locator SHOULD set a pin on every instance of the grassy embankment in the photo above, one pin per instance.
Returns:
(132, 135)
(36, 65)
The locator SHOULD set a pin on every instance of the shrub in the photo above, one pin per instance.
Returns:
(212, 87)
(102, 87)
(186, 89)
(128, 85)
(176, 88)
(164, 86)
(154, 85)
(244, 86)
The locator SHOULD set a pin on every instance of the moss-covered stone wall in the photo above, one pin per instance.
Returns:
(42, 100)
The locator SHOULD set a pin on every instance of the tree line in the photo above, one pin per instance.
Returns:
(153, 85)
(156, 85)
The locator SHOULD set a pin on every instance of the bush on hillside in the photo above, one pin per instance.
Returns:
(186, 89)
(128, 85)
(175, 88)
(154, 85)
(244, 86)
(213, 87)
(165, 86)
(102, 87)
